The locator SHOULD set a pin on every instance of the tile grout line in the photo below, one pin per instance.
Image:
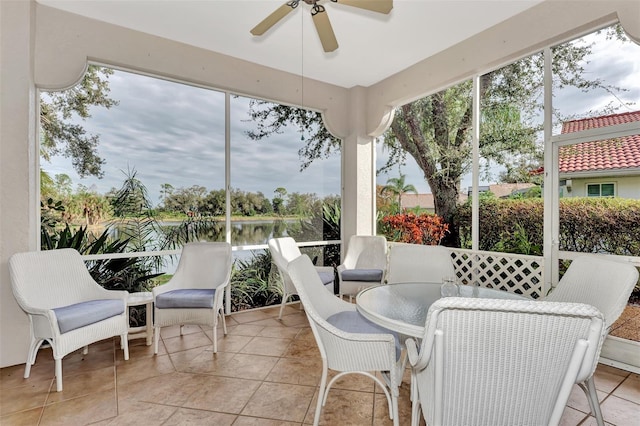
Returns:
(263, 381)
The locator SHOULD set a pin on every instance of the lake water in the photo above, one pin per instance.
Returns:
(243, 233)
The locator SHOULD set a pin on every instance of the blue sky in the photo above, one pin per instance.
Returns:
(174, 133)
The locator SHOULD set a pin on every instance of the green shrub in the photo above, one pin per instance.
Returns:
(600, 225)
(253, 283)
(321, 225)
(511, 225)
(587, 225)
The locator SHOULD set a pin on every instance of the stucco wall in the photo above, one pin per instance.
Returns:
(626, 186)
(17, 148)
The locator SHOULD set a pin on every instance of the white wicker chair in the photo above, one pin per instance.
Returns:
(605, 284)
(418, 263)
(350, 346)
(66, 307)
(284, 250)
(502, 362)
(195, 293)
(364, 264)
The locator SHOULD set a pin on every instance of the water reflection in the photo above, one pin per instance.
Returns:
(249, 233)
(243, 233)
(173, 234)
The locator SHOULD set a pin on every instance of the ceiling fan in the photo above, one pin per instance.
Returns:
(320, 17)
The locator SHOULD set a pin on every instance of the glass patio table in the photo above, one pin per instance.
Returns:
(403, 307)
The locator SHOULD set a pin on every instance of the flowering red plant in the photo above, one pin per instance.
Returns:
(425, 229)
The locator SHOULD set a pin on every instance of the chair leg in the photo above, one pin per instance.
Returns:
(589, 388)
(415, 401)
(85, 350)
(415, 413)
(31, 356)
(282, 304)
(124, 340)
(59, 374)
(182, 330)
(215, 337)
(323, 385)
(394, 401)
(149, 322)
(156, 339)
(224, 322)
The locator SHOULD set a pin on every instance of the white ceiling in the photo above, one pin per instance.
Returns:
(372, 46)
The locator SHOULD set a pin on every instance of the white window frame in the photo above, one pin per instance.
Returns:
(615, 189)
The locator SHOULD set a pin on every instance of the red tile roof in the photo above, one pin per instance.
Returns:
(609, 154)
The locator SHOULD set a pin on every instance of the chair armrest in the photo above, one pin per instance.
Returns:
(418, 361)
(223, 286)
(44, 312)
(43, 321)
(324, 268)
(412, 351)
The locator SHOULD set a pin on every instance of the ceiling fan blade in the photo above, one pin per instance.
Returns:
(273, 19)
(381, 6)
(325, 31)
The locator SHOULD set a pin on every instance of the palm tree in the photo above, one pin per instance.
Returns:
(397, 187)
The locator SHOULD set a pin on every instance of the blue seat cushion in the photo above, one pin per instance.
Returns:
(186, 298)
(326, 277)
(354, 322)
(362, 275)
(86, 313)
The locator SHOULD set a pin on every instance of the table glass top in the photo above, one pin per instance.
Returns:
(406, 302)
(403, 307)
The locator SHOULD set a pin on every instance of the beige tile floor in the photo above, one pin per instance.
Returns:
(265, 373)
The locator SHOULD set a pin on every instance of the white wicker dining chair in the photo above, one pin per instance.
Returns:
(364, 264)
(348, 343)
(66, 307)
(418, 263)
(284, 250)
(605, 284)
(501, 362)
(195, 293)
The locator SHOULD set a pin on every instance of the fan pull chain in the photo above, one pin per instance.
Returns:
(302, 76)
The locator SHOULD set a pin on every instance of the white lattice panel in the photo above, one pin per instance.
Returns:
(510, 272)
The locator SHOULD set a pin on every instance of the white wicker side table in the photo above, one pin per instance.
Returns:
(139, 299)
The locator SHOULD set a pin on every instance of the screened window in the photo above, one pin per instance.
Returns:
(158, 166)
(601, 190)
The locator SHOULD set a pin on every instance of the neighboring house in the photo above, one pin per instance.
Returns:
(500, 190)
(604, 168)
(423, 201)
(503, 190)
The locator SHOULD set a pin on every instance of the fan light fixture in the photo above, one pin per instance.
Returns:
(320, 17)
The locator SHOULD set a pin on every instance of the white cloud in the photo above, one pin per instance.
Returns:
(174, 133)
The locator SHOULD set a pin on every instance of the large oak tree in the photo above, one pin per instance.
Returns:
(61, 135)
(436, 130)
